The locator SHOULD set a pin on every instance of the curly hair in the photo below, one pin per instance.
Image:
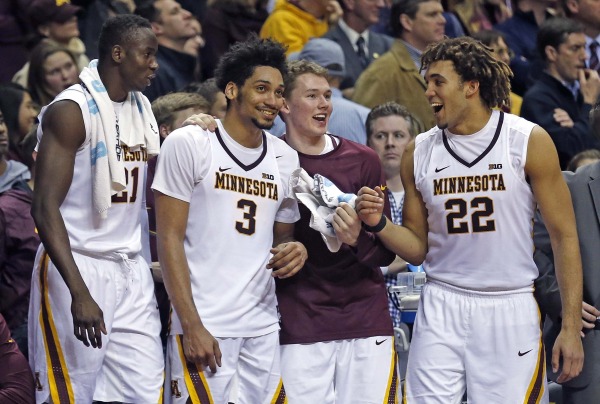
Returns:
(240, 61)
(473, 61)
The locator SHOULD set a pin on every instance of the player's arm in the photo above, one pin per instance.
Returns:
(554, 200)
(64, 133)
(408, 241)
(199, 345)
(289, 255)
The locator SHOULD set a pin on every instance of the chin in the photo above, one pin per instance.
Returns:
(263, 125)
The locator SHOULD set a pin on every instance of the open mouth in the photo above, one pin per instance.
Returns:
(268, 113)
(437, 107)
(320, 117)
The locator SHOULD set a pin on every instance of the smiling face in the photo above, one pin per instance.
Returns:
(259, 99)
(308, 106)
(368, 10)
(60, 72)
(138, 60)
(447, 95)
(390, 135)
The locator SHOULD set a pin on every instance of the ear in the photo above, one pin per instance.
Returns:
(284, 110)
(156, 28)
(471, 88)
(349, 4)
(406, 22)
(231, 91)
(551, 53)
(117, 53)
(572, 6)
(164, 130)
(44, 30)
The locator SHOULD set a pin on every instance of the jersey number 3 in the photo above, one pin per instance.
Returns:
(248, 226)
(481, 210)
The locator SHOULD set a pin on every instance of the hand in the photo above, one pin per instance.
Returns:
(288, 259)
(334, 12)
(88, 320)
(562, 118)
(346, 224)
(588, 316)
(568, 346)
(589, 85)
(205, 121)
(369, 205)
(202, 349)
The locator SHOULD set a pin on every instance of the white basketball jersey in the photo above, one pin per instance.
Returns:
(88, 233)
(480, 206)
(235, 194)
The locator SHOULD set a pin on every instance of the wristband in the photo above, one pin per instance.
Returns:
(378, 227)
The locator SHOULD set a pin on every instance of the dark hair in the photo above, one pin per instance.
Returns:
(240, 61)
(207, 89)
(408, 7)
(576, 160)
(11, 97)
(391, 108)
(488, 37)
(473, 61)
(297, 68)
(146, 9)
(554, 32)
(36, 78)
(119, 30)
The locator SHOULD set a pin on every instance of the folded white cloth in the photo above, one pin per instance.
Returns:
(321, 197)
(136, 128)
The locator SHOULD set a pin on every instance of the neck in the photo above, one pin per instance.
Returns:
(244, 133)
(550, 69)
(113, 83)
(414, 42)
(393, 181)
(592, 31)
(476, 119)
(355, 22)
(175, 44)
(310, 145)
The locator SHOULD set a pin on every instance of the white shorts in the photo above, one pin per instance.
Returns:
(129, 366)
(253, 362)
(488, 343)
(357, 371)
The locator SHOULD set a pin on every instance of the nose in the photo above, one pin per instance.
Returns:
(186, 14)
(429, 91)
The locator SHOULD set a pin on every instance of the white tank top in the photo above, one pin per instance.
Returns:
(480, 206)
(235, 195)
(120, 232)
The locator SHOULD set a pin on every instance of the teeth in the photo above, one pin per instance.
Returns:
(436, 106)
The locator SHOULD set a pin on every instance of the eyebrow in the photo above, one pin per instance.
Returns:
(266, 82)
(434, 76)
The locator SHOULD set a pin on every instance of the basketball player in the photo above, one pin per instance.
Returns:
(89, 277)
(336, 332)
(472, 184)
(225, 221)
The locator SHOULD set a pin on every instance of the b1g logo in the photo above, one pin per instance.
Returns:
(495, 167)
(268, 176)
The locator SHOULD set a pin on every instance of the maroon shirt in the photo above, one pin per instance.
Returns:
(16, 380)
(337, 295)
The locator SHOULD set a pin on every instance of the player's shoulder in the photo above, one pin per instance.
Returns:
(188, 136)
(280, 147)
(428, 136)
(518, 125)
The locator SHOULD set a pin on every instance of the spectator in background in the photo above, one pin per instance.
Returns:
(583, 158)
(587, 12)
(352, 33)
(215, 97)
(14, 30)
(520, 32)
(477, 15)
(561, 99)
(16, 380)
(57, 23)
(390, 127)
(396, 75)
(53, 68)
(226, 22)
(173, 27)
(294, 22)
(170, 111)
(19, 240)
(20, 113)
(347, 118)
(495, 40)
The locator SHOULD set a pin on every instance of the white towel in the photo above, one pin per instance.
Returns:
(321, 197)
(137, 128)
